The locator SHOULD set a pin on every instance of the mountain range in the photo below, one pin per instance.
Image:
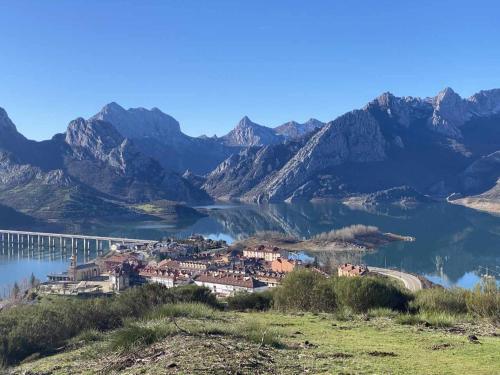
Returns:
(443, 147)
(434, 146)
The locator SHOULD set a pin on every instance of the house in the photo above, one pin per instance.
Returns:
(186, 264)
(352, 270)
(109, 263)
(262, 252)
(119, 277)
(225, 284)
(165, 276)
(272, 279)
(284, 265)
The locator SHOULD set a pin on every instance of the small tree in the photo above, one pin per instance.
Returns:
(33, 281)
(304, 290)
(16, 291)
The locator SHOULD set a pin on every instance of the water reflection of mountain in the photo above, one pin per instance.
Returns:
(451, 240)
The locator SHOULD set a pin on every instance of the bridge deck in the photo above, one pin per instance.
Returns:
(77, 236)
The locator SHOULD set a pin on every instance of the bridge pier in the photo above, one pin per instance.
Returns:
(8, 239)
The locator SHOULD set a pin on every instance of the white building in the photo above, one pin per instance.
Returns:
(223, 284)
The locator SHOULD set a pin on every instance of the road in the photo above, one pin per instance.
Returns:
(411, 282)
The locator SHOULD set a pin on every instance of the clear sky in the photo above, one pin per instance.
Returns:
(209, 63)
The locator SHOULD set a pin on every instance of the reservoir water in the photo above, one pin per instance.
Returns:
(454, 245)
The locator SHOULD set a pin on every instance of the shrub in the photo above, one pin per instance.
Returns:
(258, 334)
(193, 310)
(304, 290)
(484, 300)
(439, 320)
(132, 337)
(41, 328)
(347, 233)
(432, 319)
(382, 312)
(250, 301)
(409, 319)
(364, 293)
(437, 300)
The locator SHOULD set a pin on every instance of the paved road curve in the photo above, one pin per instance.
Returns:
(411, 282)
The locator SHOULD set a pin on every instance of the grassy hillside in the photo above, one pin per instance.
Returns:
(192, 338)
(59, 202)
(309, 324)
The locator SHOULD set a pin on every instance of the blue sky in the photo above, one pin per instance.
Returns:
(209, 63)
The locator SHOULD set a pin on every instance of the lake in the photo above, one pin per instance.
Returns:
(454, 245)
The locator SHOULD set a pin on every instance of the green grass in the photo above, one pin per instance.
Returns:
(185, 310)
(432, 319)
(132, 336)
(194, 340)
(148, 208)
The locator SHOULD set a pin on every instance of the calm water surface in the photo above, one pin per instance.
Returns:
(454, 245)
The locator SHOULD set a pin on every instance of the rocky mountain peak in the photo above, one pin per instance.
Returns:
(315, 122)
(486, 102)
(113, 107)
(447, 98)
(450, 113)
(92, 138)
(246, 122)
(385, 99)
(5, 122)
(139, 122)
(294, 130)
(247, 133)
(403, 110)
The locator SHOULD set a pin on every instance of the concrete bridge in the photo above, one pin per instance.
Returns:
(63, 240)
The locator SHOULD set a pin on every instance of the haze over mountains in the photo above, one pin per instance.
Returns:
(435, 146)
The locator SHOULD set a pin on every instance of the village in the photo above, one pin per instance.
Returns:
(174, 262)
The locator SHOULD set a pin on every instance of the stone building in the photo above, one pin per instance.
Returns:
(223, 284)
(267, 253)
(283, 265)
(351, 270)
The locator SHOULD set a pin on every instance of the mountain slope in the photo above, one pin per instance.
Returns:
(423, 144)
(80, 172)
(241, 172)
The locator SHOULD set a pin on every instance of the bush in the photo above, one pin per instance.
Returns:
(184, 310)
(364, 293)
(243, 301)
(305, 290)
(347, 233)
(438, 300)
(44, 327)
(484, 300)
(258, 334)
(382, 312)
(433, 319)
(132, 337)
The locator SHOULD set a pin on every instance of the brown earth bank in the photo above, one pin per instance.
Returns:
(330, 241)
